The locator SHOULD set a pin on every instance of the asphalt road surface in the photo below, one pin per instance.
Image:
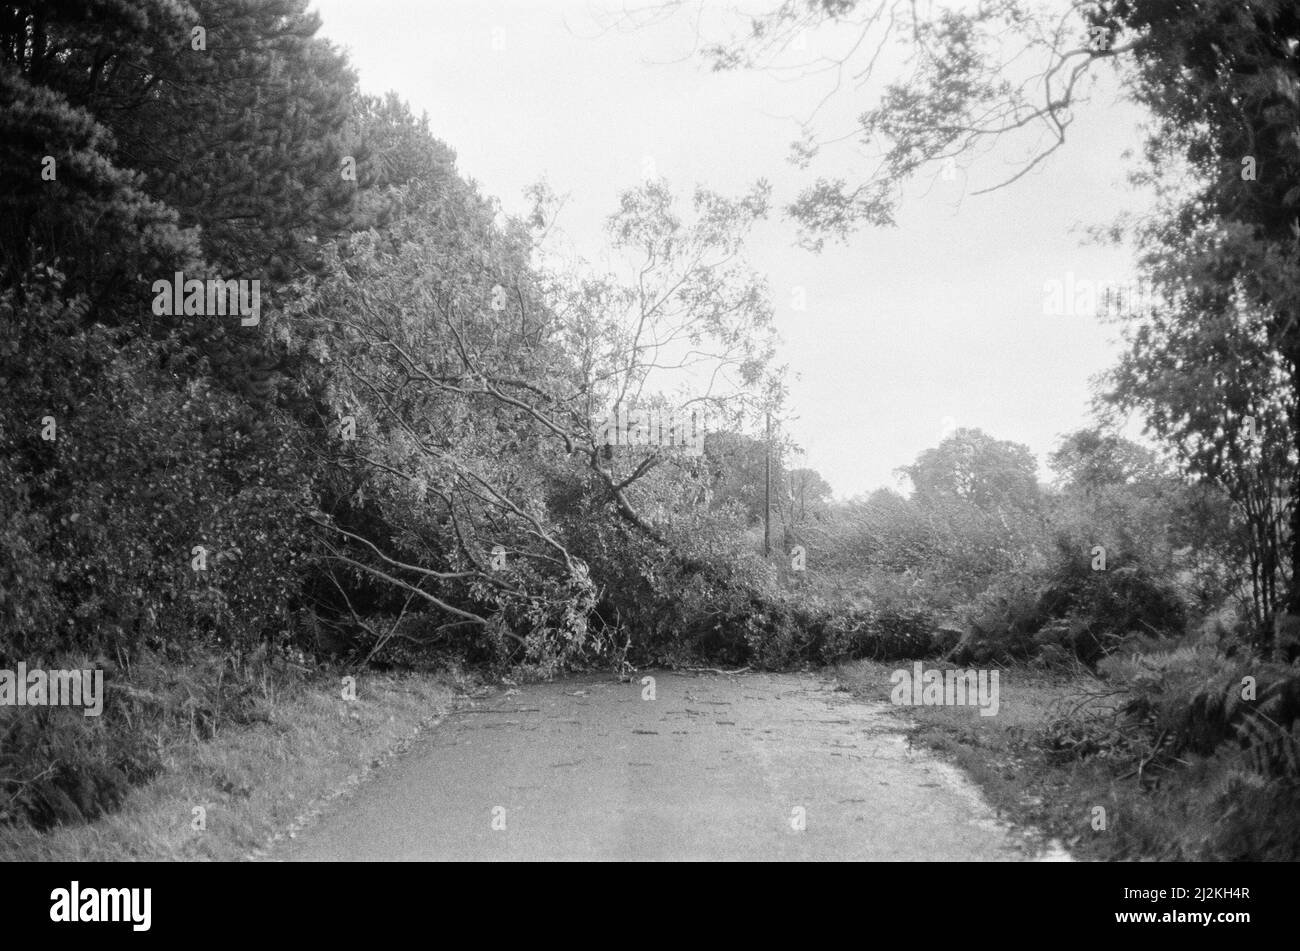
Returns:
(737, 767)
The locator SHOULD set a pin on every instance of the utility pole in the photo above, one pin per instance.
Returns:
(767, 490)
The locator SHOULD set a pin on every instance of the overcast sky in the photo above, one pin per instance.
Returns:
(907, 332)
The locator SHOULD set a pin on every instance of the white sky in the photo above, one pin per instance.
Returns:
(907, 331)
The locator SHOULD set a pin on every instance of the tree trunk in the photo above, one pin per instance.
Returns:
(1292, 606)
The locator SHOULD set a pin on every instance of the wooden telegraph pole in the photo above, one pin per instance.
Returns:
(767, 490)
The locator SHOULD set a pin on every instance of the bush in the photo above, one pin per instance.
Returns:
(891, 635)
(1071, 607)
(1198, 699)
(98, 524)
(1001, 622)
(59, 766)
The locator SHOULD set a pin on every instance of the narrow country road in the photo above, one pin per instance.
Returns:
(714, 767)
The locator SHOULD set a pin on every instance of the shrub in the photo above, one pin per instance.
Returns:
(59, 766)
(1070, 607)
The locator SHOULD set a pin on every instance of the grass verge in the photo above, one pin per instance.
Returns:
(1034, 773)
(253, 782)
